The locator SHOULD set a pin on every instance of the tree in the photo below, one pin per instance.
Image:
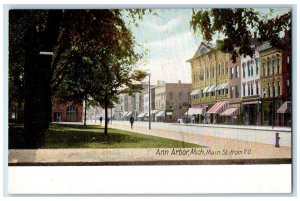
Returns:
(238, 26)
(106, 70)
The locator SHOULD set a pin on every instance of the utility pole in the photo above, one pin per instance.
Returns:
(149, 105)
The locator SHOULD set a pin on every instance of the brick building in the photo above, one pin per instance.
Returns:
(68, 112)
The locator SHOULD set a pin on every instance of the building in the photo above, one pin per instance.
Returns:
(232, 114)
(68, 112)
(271, 83)
(209, 82)
(171, 100)
(250, 87)
(285, 109)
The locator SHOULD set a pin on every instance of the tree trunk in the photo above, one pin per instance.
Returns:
(106, 116)
(85, 111)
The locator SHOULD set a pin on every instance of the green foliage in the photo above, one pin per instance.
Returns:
(238, 26)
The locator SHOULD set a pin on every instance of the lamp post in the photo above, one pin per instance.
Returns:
(149, 105)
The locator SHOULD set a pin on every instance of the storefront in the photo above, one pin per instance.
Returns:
(251, 112)
(231, 115)
(285, 112)
(215, 111)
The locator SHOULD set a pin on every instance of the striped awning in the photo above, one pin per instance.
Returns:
(211, 89)
(218, 108)
(142, 114)
(147, 114)
(128, 114)
(205, 89)
(219, 87)
(284, 107)
(125, 113)
(195, 92)
(224, 86)
(160, 114)
(231, 112)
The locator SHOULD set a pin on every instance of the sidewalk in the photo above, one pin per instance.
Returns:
(217, 151)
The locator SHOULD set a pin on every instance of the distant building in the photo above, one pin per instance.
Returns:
(171, 100)
(68, 112)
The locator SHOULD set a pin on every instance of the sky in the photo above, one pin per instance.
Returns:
(170, 43)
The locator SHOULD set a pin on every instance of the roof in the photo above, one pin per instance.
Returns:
(203, 49)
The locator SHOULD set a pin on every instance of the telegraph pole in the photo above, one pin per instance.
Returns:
(149, 105)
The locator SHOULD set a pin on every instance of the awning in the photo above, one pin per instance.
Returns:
(231, 112)
(284, 107)
(250, 102)
(195, 92)
(205, 89)
(124, 115)
(154, 111)
(169, 113)
(146, 114)
(219, 87)
(142, 114)
(128, 114)
(195, 111)
(160, 114)
(211, 89)
(224, 86)
(218, 108)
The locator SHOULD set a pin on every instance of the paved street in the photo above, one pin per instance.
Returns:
(258, 134)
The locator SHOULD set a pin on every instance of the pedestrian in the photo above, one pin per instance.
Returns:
(100, 120)
(131, 121)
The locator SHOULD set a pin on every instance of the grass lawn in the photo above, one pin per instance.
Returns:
(92, 136)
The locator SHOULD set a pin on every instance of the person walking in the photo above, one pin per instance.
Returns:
(131, 121)
(100, 120)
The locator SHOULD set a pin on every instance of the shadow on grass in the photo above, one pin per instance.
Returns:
(92, 136)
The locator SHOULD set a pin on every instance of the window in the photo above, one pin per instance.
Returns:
(244, 66)
(251, 89)
(223, 68)
(268, 68)
(226, 66)
(257, 89)
(264, 92)
(213, 71)
(71, 114)
(251, 70)
(264, 69)
(231, 92)
(237, 72)
(237, 93)
(180, 95)
(269, 93)
(244, 90)
(278, 88)
(256, 65)
(273, 65)
(207, 73)
(248, 66)
(219, 69)
(278, 65)
(232, 72)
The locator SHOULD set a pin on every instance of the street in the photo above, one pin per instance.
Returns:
(258, 134)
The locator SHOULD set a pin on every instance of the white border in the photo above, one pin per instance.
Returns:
(80, 179)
